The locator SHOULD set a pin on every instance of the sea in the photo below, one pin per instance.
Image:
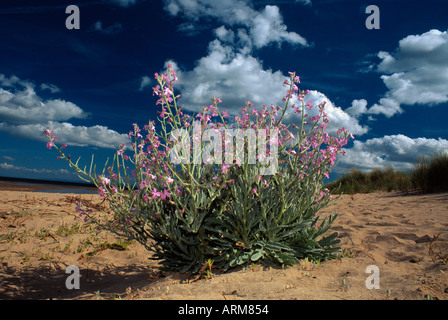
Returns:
(47, 186)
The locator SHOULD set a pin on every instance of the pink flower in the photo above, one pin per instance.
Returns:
(155, 194)
(50, 144)
(225, 168)
(310, 105)
(165, 194)
(238, 162)
(106, 181)
(143, 184)
(102, 192)
(167, 91)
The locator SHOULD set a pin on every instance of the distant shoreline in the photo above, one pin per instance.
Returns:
(35, 185)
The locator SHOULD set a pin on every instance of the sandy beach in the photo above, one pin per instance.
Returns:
(41, 234)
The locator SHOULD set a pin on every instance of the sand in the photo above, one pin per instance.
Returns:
(41, 234)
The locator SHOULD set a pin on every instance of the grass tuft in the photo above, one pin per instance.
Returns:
(429, 174)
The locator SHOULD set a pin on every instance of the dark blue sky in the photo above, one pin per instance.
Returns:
(389, 86)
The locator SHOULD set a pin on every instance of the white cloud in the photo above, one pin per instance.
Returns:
(229, 11)
(398, 151)
(23, 113)
(262, 27)
(145, 82)
(304, 2)
(112, 29)
(81, 136)
(416, 73)
(25, 106)
(387, 106)
(224, 34)
(337, 116)
(124, 3)
(235, 78)
(268, 27)
(358, 108)
(51, 87)
(13, 81)
(229, 71)
(9, 167)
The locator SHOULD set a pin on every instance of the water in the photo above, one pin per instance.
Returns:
(51, 188)
(77, 190)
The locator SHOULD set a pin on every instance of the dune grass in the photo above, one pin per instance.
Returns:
(429, 174)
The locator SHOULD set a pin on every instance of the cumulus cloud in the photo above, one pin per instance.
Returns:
(23, 113)
(23, 105)
(416, 73)
(13, 81)
(224, 34)
(230, 72)
(358, 108)
(338, 117)
(231, 76)
(262, 27)
(397, 151)
(268, 26)
(235, 78)
(81, 136)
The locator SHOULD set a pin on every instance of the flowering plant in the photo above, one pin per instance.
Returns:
(187, 206)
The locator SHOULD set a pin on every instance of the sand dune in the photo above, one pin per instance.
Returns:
(41, 234)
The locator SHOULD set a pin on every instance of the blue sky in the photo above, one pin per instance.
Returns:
(388, 86)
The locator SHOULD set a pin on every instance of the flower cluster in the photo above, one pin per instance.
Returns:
(190, 211)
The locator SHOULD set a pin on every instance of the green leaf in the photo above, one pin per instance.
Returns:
(257, 255)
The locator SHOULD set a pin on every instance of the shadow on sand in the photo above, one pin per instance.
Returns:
(48, 282)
